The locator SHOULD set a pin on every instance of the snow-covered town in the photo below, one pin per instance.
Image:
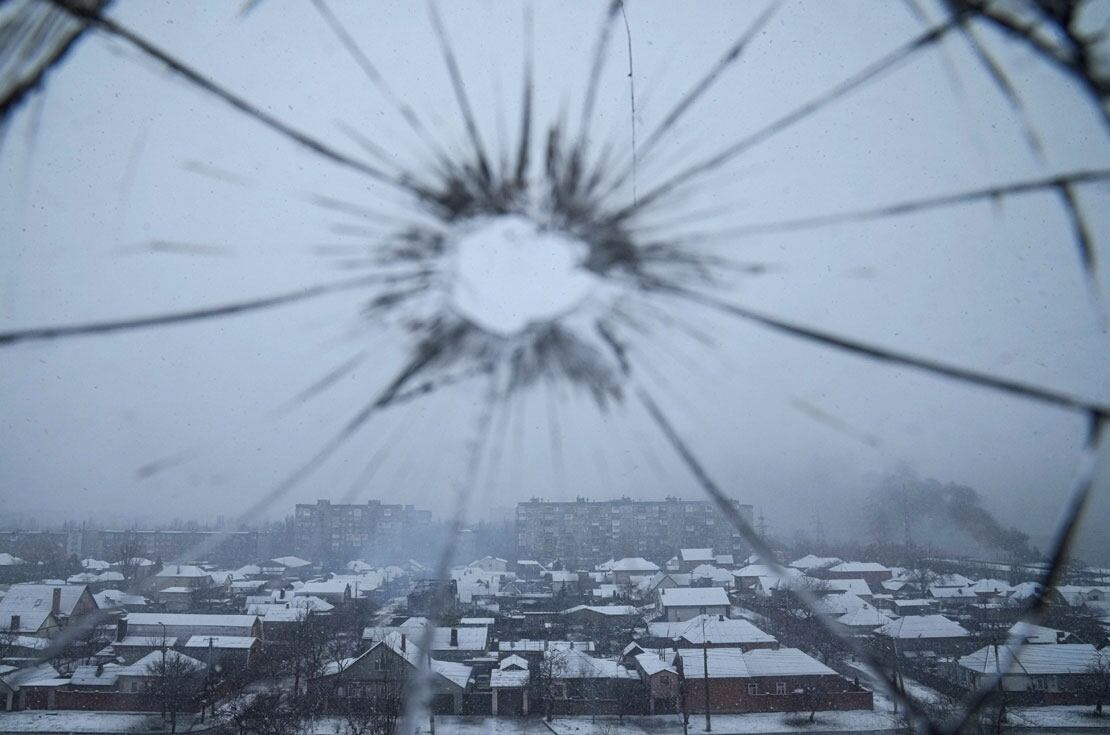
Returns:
(532, 367)
(706, 639)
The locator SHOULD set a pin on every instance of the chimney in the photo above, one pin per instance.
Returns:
(454, 637)
(403, 639)
(121, 629)
(15, 622)
(281, 595)
(56, 602)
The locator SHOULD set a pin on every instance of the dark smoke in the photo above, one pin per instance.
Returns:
(918, 511)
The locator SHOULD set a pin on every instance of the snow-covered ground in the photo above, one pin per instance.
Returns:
(71, 721)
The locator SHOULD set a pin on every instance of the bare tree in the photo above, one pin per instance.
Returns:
(128, 556)
(177, 679)
(1098, 680)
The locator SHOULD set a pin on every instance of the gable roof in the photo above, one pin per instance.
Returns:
(633, 564)
(1038, 634)
(811, 561)
(859, 566)
(457, 674)
(693, 597)
(182, 570)
(710, 628)
(33, 603)
(220, 641)
(607, 610)
(923, 626)
(702, 555)
(730, 663)
(190, 619)
(144, 664)
(1064, 658)
(573, 663)
(652, 663)
(865, 616)
(292, 562)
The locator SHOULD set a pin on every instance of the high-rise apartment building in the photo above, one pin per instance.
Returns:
(583, 533)
(339, 533)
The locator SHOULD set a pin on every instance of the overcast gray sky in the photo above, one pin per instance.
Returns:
(120, 154)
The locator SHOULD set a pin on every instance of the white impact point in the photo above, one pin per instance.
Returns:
(510, 273)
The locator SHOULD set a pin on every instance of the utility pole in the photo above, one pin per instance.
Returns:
(705, 672)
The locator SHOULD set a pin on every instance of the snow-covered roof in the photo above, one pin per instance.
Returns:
(951, 580)
(82, 578)
(562, 576)
(526, 645)
(33, 603)
(811, 561)
(1038, 634)
(696, 555)
(608, 610)
(182, 570)
(359, 566)
(838, 604)
(991, 586)
(711, 628)
(95, 565)
(1025, 590)
(1064, 658)
(457, 674)
(633, 564)
(865, 616)
(510, 679)
(7, 560)
(176, 591)
(144, 641)
(477, 621)
(292, 562)
(923, 626)
(693, 597)
(96, 676)
(469, 638)
(857, 587)
(32, 642)
(574, 663)
(143, 666)
(220, 641)
(279, 613)
(652, 663)
(712, 573)
(754, 570)
(511, 661)
(859, 566)
(15, 678)
(190, 619)
(328, 587)
(952, 593)
(730, 663)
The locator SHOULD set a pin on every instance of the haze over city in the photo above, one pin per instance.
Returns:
(484, 311)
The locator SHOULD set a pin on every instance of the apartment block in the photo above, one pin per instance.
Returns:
(340, 532)
(583, 533)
